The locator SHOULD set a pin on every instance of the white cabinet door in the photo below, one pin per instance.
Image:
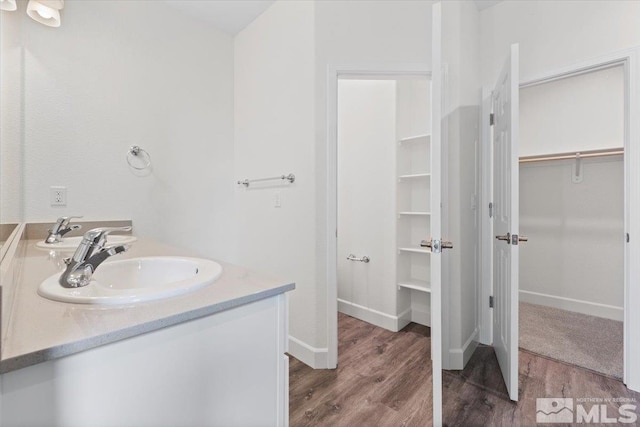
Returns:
(505, 101)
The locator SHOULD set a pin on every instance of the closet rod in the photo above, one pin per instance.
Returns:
(574, 155)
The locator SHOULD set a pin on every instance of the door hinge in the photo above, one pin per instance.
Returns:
(492, 119)
(490, 210)
(491, 301)
(627, 237)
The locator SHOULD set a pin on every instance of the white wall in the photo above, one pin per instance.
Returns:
(575, 255)
(562, 265)
(10, 117)
(113, 75)
(366, 198)
(461, 30)
(554, 34)
(584, 112)
(461, 54)
(274, 132)
(291, 44)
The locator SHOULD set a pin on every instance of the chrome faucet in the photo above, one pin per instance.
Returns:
(61, 228)
(89, 255)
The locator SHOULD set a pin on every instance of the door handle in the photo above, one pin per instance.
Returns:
(513, 239)
(436, 245)
(364, 259)
(505, 237)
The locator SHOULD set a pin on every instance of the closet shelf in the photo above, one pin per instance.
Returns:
(415, 250)
(414, 175)
(418, 285)
(414, 213)
(416, 138)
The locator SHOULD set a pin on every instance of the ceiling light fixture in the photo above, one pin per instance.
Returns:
(9, 5)
(46, 12)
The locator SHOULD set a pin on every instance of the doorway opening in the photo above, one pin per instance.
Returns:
(378, 302)
(572, 203)
(383, 201)
(627, 62)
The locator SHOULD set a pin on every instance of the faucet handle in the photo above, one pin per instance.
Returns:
(62, 222)
(99, 235)
(60, 228)
(65, 220)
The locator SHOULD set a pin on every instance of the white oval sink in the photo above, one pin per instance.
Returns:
(136, 280)
(71, 243)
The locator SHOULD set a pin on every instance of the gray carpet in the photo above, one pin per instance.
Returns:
(587, 341)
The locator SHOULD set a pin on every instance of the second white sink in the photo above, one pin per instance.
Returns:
(136, 280)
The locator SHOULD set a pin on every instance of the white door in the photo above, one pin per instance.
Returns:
(505, 221)
(436, 215)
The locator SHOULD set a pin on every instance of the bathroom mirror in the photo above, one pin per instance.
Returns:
(11, 130)
(5, 233)
(76, 98)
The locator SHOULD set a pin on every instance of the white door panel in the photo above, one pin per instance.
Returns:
(506, 203)
(436, 213)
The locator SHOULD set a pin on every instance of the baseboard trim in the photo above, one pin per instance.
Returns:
(421, 317)
(309, 355)
(405, 318)
(470, 346)
(579, 306)
(375, 317)
(458, 357)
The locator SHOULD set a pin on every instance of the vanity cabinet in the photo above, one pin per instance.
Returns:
(225, 369)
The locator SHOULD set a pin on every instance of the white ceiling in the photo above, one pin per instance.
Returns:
(230, 16)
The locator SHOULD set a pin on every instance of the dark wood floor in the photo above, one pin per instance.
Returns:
(384, 379)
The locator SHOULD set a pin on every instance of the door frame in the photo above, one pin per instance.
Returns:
(630, 60)
(382, 71)
(334, 73)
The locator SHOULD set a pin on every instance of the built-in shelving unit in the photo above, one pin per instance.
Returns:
(416, 138)
(413, 194)
(413, 224)
(414, 175)
(413, 213)
(417, 285)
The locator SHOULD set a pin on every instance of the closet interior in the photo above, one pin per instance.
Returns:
(572, 210)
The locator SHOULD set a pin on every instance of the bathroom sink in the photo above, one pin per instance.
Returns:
(71, 243)
(136, 280)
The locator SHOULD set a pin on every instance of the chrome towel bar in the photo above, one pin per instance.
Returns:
(364, 259)
(246, 182)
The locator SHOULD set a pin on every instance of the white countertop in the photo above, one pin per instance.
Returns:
(35, 329)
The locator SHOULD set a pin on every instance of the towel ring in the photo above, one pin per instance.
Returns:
(138, 152)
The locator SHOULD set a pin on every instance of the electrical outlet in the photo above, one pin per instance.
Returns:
(277, 202)
(58, 196)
